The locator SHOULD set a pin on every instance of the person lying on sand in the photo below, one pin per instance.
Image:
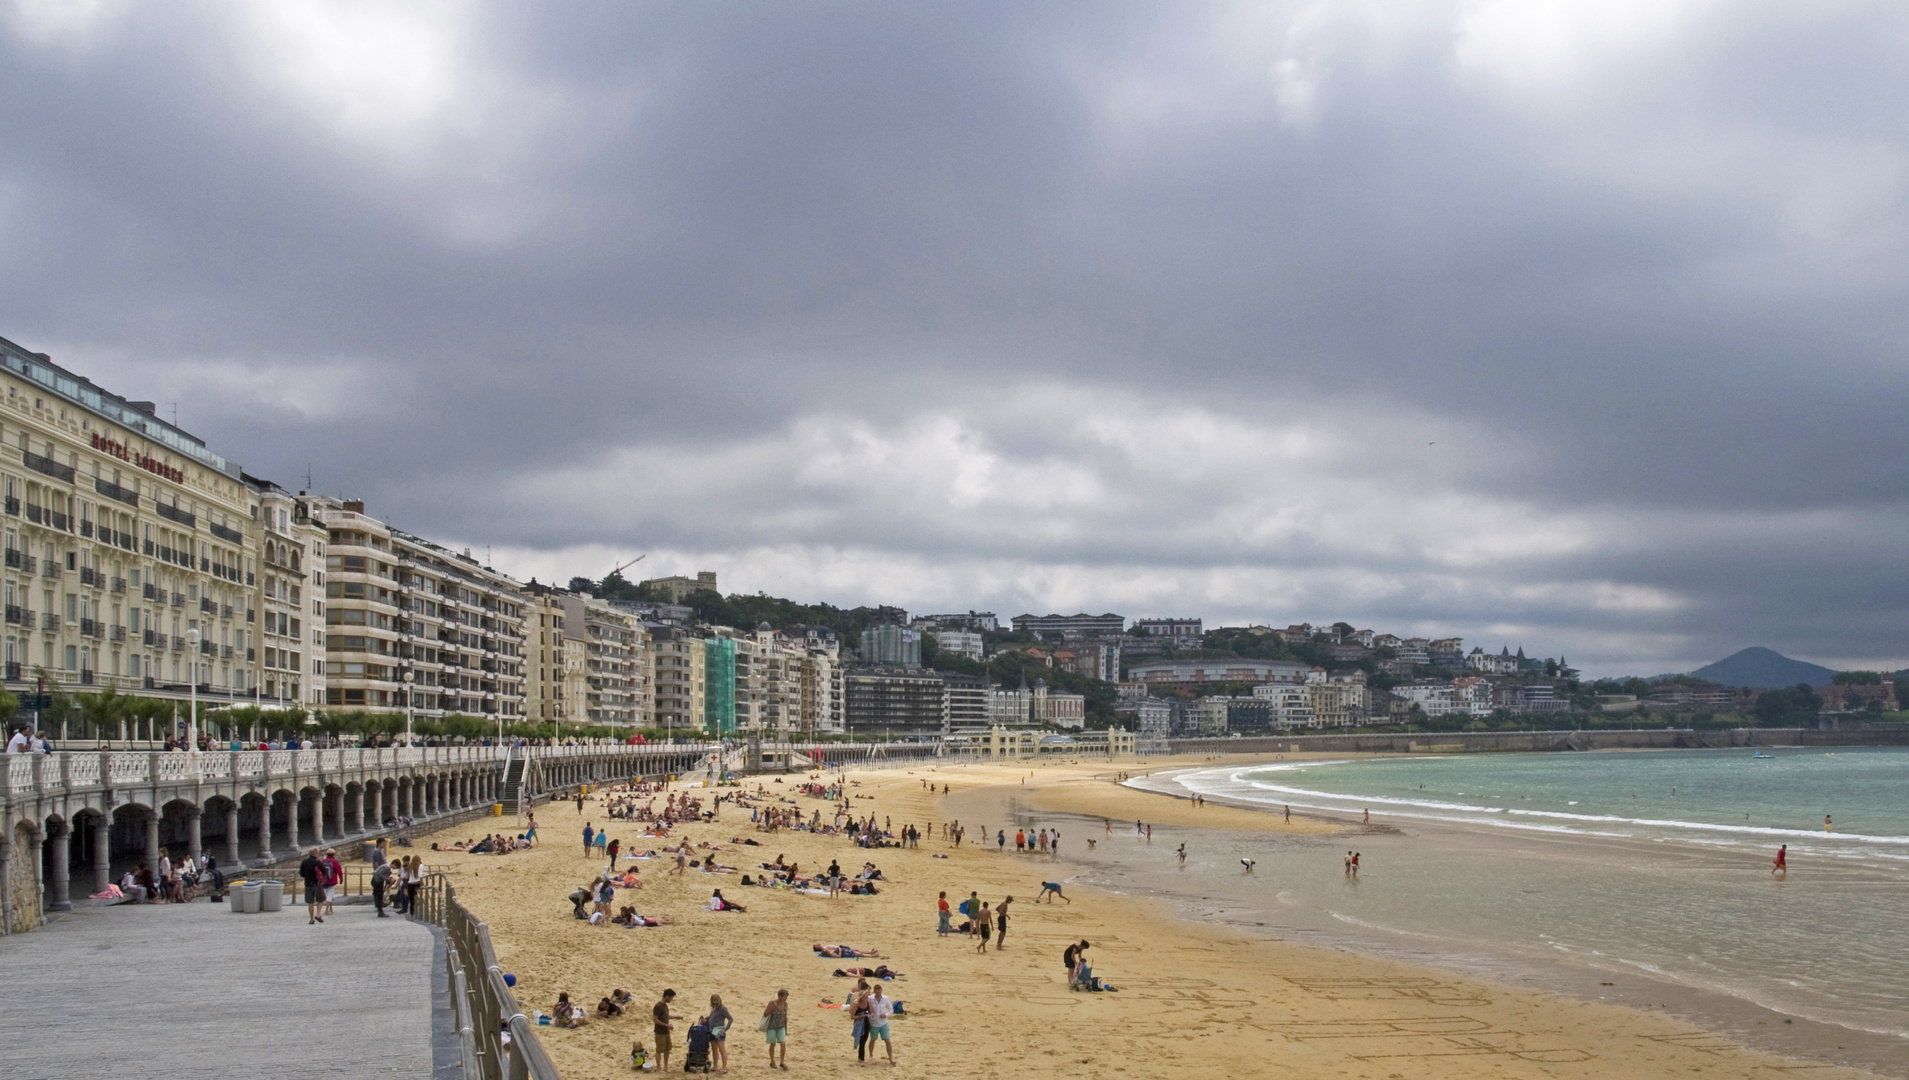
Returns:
(844, 952)
(882, 972)
(606, 1007)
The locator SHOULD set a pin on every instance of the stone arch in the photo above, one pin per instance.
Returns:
(308, 818)
(133, 837)
(282, 821)
(255, 819)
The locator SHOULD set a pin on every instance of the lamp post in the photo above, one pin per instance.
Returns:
(408, 677)
(192, 669)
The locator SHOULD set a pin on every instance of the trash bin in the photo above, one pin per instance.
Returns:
(247, 896)
(497, 809)
(271, 896)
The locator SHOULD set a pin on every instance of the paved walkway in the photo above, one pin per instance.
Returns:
(194, 990)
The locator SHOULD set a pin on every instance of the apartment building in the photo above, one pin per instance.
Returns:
(891, 646)
(1065, 627)
(895, 703)
(1188, 674)
(966, 643)
(681, 679)
(612, 643)
(290, 611)
(397, 605)
(544, 651)
(1183, 633)
(676, 588)
(131, 548)
(970, 704)
(822, 710)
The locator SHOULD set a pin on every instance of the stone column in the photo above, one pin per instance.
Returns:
(231, 835)
(265, 830)
(102, 852)
(377, 804)
(152, 840)
(194, 835)
(62, 844)
(358, 811)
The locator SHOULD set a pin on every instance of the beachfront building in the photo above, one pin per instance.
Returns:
(291, 641)
(897, 703)
(817, 668)
(719, 683)
(970, 703)
(1433, 697)
(544, 667)
(681, 676)
(612, 643)
(131, 548)
(1290, 704)
(1059, 708)
(398, 604)
(1204, 717)
(980, 622)
(1161, 675)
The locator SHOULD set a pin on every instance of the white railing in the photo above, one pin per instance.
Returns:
(127, 768)
(82, 770)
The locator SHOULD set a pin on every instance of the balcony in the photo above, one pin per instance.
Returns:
(207, 607)
(206, 648)
(92, 578)
(86, 528)
(50, 569)
(13, 506)
(119, 585)
(225, 652)
(91, 628)
(153, 639)
(35, 514)
(173, 513)
(148, 548)
(152, 592)
(119, 633)
(86, 678)
(178, 643)
(230, 536)
(49, 621)
(178, 599)
(19, 616)
(20, 560)
(13, 672)
(47, 465)
(225, 611)
(57, 520)
(114, 491)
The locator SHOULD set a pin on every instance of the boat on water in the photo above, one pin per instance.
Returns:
(1760, 755)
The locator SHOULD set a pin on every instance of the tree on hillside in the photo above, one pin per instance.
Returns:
(1794, 707)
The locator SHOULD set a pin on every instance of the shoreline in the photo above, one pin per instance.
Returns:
(1193, 994)
(1730, 1015)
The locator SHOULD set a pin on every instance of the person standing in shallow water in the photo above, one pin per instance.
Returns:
(1780, 866)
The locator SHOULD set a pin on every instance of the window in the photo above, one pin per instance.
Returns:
(72, 656)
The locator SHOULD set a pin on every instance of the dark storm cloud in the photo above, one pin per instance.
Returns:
(1581, 322)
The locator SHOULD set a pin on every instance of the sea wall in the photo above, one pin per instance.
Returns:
(1472, 742)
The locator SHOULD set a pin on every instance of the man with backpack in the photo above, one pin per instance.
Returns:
(311, 871)
(380, 881)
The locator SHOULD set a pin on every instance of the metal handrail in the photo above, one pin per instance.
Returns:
(485, 1005)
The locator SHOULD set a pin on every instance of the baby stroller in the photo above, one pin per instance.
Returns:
(697, 1058)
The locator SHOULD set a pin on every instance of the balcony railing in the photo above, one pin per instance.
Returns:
(86, 528)
(225, 611)
(13, 672)
(207, 607)
(225, 652)
(20, 560)
(41, 463)
(19, 616)
(232, 536)
(178, 643)
(173, 513)
(49, 621)
(13, 506)
(153, 639)
(86, 677)
(119, 633)
(178, 599)
(114, 491)
(152, 592)
(57, 519)
(207, 648)
(50, 569)
(90, 628)
(92, 578)
(119, 585)
(36, 514)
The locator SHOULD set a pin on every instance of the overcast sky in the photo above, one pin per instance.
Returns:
(1572, 325)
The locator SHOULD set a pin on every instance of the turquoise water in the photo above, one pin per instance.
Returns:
(1727, 798)
(1629, 865)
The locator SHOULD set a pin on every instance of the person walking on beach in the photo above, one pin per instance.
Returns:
(984, 926)
(1289, 814)
(1020, 841)
(615, 847)
(880, 1008)
(589, 834)
(941, 907)
(1348, 864)
(1001, 839)
(1355, 866)
(1054, 844)
(775, 1028)
(858, 1020)
(662, 1023)
(1780, 866)
(1001, 924)
(1368, 816)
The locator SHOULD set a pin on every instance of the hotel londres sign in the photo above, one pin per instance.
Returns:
(145, 461)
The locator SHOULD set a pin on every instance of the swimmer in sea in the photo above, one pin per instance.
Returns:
(1826, 824)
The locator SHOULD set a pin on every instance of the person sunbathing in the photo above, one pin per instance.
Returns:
(717, 903)
(882, 972)
(844, 952)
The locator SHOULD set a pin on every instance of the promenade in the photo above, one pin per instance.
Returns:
(194, 990)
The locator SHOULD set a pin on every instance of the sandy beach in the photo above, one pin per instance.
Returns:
(1191, 995)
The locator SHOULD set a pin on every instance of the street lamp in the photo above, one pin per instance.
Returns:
(192, 669)
(408, 677)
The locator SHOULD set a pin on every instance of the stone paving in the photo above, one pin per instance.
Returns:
(194, 990)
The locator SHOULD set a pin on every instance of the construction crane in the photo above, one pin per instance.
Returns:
(626, 566)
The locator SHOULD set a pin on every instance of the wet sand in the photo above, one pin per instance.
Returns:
(1202, 995)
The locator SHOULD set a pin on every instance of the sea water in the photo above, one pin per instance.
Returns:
(1648, 864)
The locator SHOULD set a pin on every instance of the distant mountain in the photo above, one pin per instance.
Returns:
(1760, 667)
